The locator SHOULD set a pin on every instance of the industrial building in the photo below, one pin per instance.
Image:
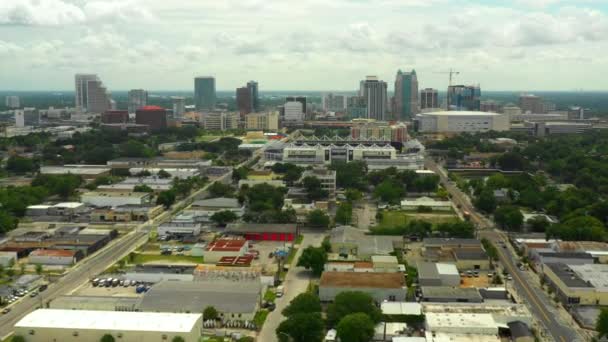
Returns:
(380, 286)
(578, 284)
(437, 274)
(352, 241)
(86, 171)
(426, 202)
(461, 121)
(221, 248)
(46, 325)
(115, 198)
(264, 231)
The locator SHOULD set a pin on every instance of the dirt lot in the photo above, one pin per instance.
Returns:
(269, 265)
(480, 282)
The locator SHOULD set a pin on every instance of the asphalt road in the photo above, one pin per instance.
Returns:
(535, 298)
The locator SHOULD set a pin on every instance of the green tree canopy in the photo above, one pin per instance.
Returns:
(389, 191)
(485, 201)
(20, 165)
(166, 198)
(357, 327)
(223, 217)
(142, 188)
(317, 218)
(301, 327)
(579, 228)
(344, 214)
(303, 303)
(210, 312)
(350, 175)
(313, 258)
(18, 338)
(178, 339)
(350, 302)
(353, 195)
(107, 338)
(509, 217)
(218, 189)
(601, 326)
(313, 188)
(163, 174)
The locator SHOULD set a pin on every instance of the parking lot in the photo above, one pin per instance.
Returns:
(118, 291)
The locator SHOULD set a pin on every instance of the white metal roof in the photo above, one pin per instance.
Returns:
(459, 113)
(109, 320)
(447, 269)
(401, 308)
(436, 321)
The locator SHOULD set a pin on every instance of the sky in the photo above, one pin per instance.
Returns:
(521, 45)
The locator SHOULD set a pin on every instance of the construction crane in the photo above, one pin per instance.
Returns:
(451, 73)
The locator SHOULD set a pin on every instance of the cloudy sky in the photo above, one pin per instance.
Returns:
(304, 45)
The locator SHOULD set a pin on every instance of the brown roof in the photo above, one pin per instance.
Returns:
(53, 253)
(363, 279)
(363, 264)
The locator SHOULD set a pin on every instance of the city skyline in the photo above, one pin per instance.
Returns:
(514, 45)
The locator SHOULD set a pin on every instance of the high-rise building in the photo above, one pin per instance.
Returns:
(179, 106)
(255, 96)
(27, 117)
(356, 107)
(19, 118)
(489, 106)
(268, 121)
(531, 104)
(301, 99)
(204, 93)
(334, 102)
(461, 97)
(91, 95)
(12, 102)
(153, 116)
(406, 95)
(293, 112)
(115, 117)
(137, 98)
(220, 121)
(429, 98)
(374, 92)
(244, 102)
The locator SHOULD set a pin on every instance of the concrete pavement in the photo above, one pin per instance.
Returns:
(296, 282)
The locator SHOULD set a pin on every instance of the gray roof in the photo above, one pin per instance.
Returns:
(103, 303)
(194, 296)
(220, 202)
(452, 242)
(454, 293)
(566, 255)
(470, 254)
(519, 329)
(567, 275)
(366, 244)
(427, 270)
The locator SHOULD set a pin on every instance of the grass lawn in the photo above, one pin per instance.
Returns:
(392, 218)
(260, 317)
(148, 258)
(299, 239)
(270, 296)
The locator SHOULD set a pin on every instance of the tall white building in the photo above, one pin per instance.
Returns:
(220, 121)
(334, 102)
(374, 92)
(179, 106)
(12, 101)
(294, 111)
(91, 95)
(19, 118)
(461, 121)
(137, 98)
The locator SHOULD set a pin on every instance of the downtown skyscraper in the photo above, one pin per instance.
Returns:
(374, 93)
(137, 98)
(406, 95)
(91, 95)
(204, 92)
(247, 98)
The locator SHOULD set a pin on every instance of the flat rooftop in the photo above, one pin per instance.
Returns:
(596, 274)
(363, 279)
(567, 275)
(437, 321)
(226, 245)
(109, 320)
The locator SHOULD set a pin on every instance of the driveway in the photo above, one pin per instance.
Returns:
(296, 282)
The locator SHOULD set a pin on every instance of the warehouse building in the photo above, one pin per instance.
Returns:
(471, 259)
(460, 323)
(179, 228)
(446, 294)
(85, 171)
(380, 286)
(115, 198)
(221, 248)
(461, 121)
(46, 325)
(60, 257)
(437, 274)
(352, 241)
(578, 284)
(264, 231)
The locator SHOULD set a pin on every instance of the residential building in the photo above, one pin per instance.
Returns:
(530, 103)
(45, 325)
(220, 121)
(437, 274)
(115, 117)
(179, 106)
(347, 240)
(325, 176)
(406, 95)
(153, 116)
(115, 198)
(461, 121)
(294, 112)
(380, 286)
(301, 99)
(137, 98)
(204, 93)
(426, 202)
(244, 100)
(54, 257)
(429, 98)
(267, 121)
(179, 228)
(91, 94)
(12, 101)
(264, 232)
(374, 92)
(334, 102)
(464, 98)
(19, 118)
(221, 248)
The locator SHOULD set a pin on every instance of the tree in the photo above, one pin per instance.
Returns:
(166, 198)
(135, 149)
(351, 174)
(509, 217)
(39, 269)
(601, 326)
(353, 195)
(313, 188)
(142, 188)
(178, 339)
(344, 214)
(485, 201)
(538, 224)
(313, 258)
(350, 302)
(318, 218)
(578, 228)
(20, 165)
(240, 173)
(163, 174)
(7, 222)
(301, 327)
(18, 338)
(210, 312)
(223, 217)
(218, 189)
(511, 161)
(357, 327)
(107, 338)
(303, 303)
(22, 268)
(389, 191)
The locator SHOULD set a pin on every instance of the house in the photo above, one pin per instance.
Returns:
(264, 231)
(178, 228)
(380, 286)
(437, 274)
(347, 240)
(44, 325)
(115, 198)
(426, 202)
(54, 257)
(221, 248)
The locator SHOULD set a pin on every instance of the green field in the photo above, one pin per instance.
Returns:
(392, 218)
(148, 258)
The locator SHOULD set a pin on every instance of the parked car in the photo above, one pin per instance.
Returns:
(42, 287)
(6, 310)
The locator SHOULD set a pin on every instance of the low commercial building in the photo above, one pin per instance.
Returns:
(471, 259)
(578, 284)
(503, 312)
(181, 173)
(459, 323)
(153, 182)
(437, 274)
(277, 183)
(97, 303)
(178, 228)
(221, 248)
(461, 121)
(115, 198)
(126, 213)
(520, 332)
(426, 202)
(325, 176)
(202, 210)
(446, 294)
(54, 257)
(347, 240)
(385, 263)
(401, 308)
(85, 171)
(436, 249)
(66, 209)
(380, 286)
(45, 325)
(264, 231)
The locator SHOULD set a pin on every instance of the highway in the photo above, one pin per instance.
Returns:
(535, 298)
